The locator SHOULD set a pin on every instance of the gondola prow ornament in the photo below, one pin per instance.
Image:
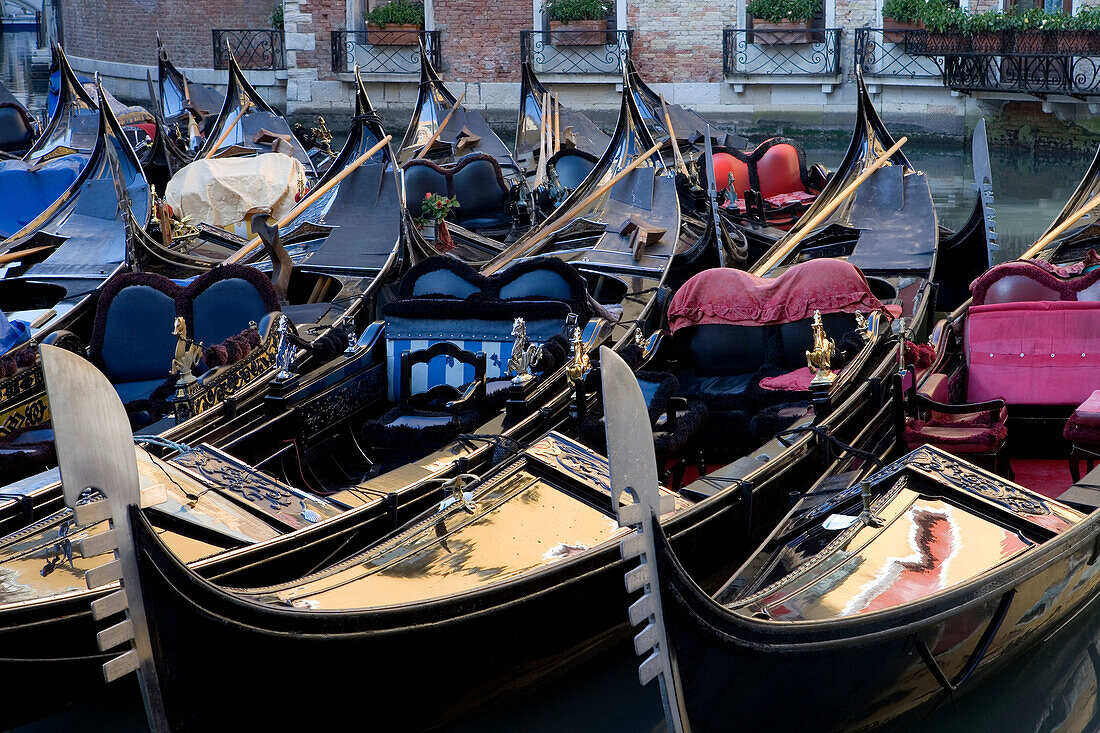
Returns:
(524, 354)
(820, 359)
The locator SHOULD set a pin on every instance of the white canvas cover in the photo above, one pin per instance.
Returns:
(220, 191)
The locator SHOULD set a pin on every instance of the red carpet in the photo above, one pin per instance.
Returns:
(1047, 477)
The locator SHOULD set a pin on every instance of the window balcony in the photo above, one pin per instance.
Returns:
(883, 58)
(254, 48)
(1035, 63)
(592, 54)
(384, 52)
(760, 56)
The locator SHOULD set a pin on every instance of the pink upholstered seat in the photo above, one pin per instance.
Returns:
(1033, 353)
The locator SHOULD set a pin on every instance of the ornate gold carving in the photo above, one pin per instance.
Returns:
(820, 358)
(579, 364)
(199, 396)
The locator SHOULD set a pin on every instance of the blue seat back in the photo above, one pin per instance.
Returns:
(223, 302)
(28, 193)
(480, 189)
(423, 177)
(132, 340)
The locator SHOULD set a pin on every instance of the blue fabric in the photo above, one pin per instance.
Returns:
(443, 282)
(691, 384)
(224, 309)
(475, 222)
(138, 344)
(12, 333)
(421, 180)
(537, 284)
(649, 390)
(33, 436)
(444, 329)
(130, 391)
(28, 193)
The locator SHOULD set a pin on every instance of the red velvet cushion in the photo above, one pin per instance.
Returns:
(1078, 432)
(733, 297)
(796, 381)
(1034, 353)
(1088, 413)
(724, 164)
(966, 439)
(779, 171)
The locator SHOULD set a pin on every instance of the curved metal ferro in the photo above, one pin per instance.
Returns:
(634, 472)
(95, 450)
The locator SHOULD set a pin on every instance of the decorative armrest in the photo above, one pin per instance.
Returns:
(993, 407)
(475, 392)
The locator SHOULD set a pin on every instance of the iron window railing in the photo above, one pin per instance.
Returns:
(812, 52)
(384, 51)
(882, 52)
(254, 48)
(576, 51)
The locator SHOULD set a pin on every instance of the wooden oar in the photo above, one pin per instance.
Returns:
(789, 246)
(21, 253)
(673, 140)
(439, 130)
(313, 196)
(540, 169)
(521, 247)
(229, 128)
(557, 124)
(1057, 231)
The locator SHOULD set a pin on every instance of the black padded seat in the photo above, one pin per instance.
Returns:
(482, 195)
(571, 166)
(422, 178)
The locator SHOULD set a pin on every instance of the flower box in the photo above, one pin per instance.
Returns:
(393, 34)
(1078, 43)
(889, 24)
(986, 42)
(781, 33)
(578, 33)
(1034, 42)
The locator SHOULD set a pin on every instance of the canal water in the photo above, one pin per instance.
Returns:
(1057, 689)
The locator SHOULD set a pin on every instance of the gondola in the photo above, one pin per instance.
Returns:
(445, 139)
(54, 164)
(347, 245)
(243, 121)
(515, 572)
(570, 138)
(884, 601)
(313, 438)
(772, 184)
(182, 101)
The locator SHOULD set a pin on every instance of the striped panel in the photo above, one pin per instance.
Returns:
(442, 369)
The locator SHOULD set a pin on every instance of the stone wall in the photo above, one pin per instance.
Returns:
(125, 30)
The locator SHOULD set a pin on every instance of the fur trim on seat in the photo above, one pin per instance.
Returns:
(25, 357)
(185, 299)
(1078, 432)
(381, 434)
(1067, 288)
(233, 349)
(688, 423)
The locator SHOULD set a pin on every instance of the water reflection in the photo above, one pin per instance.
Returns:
(1055, 690)
(29, 82)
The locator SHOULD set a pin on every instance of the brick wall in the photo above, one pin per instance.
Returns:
(125, 30)
(319, 18)
(679, 40)
(481, 37)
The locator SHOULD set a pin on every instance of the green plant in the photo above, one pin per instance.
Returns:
(777, 11)
(564, 11)
(985, 23)
(277, 15)
(397, 12)
(904, 11)
(435, 208)
(943, 19)
(1087, 19)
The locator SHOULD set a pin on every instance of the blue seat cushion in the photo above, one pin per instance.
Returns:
(500, 219)
(732, 384)
(132, 391)
(28, 193)
(572, 167)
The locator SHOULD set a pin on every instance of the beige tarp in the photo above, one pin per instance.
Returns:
(220, 191)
